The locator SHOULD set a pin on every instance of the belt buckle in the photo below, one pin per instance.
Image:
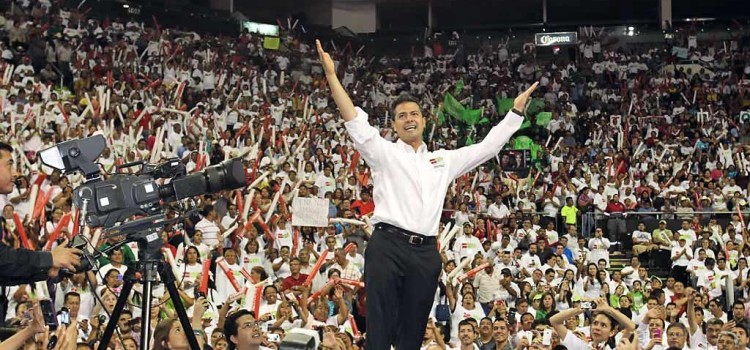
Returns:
(415, 240)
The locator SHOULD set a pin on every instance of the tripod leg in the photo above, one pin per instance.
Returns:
(115, 317)
(146, 316)
(168, 278)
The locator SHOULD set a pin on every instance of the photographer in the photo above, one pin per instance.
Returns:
(20, 266)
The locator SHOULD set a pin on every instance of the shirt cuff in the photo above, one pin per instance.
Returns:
(45, 261)
(358, 126)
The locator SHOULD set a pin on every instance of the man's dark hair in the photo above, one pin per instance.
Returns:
(207, 210)
(270, 287)
(71, 294)
(231, 326)
(467, 322)
(6, 147)
(656, 293)
(404, 98)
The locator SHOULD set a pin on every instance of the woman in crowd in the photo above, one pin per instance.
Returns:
(606, 323)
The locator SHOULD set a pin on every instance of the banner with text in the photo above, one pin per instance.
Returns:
(310, 212)
(556, 39)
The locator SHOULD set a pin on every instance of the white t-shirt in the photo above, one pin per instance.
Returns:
(210, 232)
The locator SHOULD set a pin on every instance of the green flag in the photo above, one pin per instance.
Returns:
(523, 142)
(473, 117)
(543, 118)
(440, 117)
(536, 106)
(459, 87)
(452, 106)
(535, 149)
(504, 105)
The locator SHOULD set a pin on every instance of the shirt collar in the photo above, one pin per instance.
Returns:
(422, 148)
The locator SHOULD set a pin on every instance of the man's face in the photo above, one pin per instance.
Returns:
(117, 256)
(7, 172)
(712, 333)
(73, 304)
(304, 256)
(536, 275)
(676, 337)
(467, 335)
(485, 327)
(248, 332)
(725, 342)
(738, 311)
(123, 323)
(526, 322)
(500, 331)
(742, 333)
(294, 266)
(506, 258)
(409, 122)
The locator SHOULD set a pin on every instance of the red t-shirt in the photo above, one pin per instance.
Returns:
(290, 281)
(615, 207)
(364, 207)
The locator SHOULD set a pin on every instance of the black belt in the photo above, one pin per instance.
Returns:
(408, 236)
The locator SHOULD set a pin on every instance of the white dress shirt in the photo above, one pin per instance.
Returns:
(498, 211)
(684, 259)
(412, 185)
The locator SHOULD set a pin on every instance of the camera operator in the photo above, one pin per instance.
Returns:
(20, 266)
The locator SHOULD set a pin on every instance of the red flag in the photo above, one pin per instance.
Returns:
(204, 276)
(239, 202)
(316, 268)
(65, 115)
(40, 178)
(295, 238)
(21, 232)
(228, 272)
(76, 218)
(355, 161)
(60, 225)
(41, 200)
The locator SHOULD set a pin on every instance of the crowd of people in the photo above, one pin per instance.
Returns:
(525, 255)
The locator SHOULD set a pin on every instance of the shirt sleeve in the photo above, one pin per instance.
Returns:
(469, 157)
(22, 266)
(366, 139)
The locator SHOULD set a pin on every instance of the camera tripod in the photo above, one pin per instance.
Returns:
(150, 265)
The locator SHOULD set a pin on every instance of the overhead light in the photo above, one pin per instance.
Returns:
(631, 28)
(125, 6)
